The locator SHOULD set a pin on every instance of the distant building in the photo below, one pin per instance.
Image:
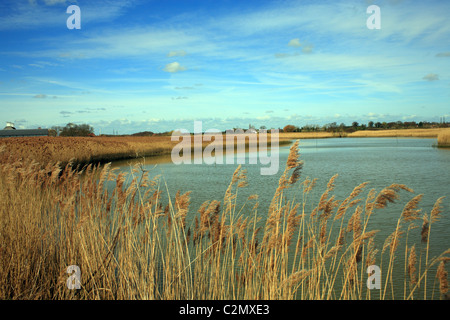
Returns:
(9, 126)
(11, 131)
(240, 131)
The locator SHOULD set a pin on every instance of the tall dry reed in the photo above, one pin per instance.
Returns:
(134, 240)
(443, 138)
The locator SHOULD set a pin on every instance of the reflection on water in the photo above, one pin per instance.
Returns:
(380, 161)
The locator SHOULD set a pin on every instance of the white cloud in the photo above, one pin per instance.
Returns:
(31, 15)
(294, 43)
(431, 77)
(180, 53)
(307, 48)
(53, 2)
(410, 117)
(174, 67)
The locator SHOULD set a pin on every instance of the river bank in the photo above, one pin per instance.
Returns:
(84, 150)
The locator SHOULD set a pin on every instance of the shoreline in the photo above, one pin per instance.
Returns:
(413, 133)
(81, 151)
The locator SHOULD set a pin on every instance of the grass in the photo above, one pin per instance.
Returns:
(85, 150)
(444, 139)
(418, 133)
(307, 135)
(130, 245)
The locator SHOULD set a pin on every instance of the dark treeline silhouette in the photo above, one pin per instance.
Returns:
(371, 125)
(73, 130)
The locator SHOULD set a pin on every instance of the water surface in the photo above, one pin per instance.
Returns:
(379, 161)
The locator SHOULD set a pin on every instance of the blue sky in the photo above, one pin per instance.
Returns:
(159, 65)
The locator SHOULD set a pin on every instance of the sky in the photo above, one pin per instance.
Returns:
(160, 65)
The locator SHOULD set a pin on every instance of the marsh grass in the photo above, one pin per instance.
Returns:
(417, 133)
(408, 133)
(131, 245)
(85, 150)
(443, 139)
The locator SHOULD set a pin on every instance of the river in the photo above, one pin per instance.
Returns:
(414, 162)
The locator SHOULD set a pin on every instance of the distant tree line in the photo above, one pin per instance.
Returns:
(371, 125)
(85, 130)
(73, 130)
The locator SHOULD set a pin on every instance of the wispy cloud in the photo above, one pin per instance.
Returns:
(308, 48)
(431, 77)
(53, 2)
(316, 59)
(295, 43)
(180, 53)
(174, 67)
(47, 13)
(184, 88)
(65, 114)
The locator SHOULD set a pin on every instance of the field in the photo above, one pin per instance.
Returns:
(130, 245)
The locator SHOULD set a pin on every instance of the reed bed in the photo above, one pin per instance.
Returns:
(416, 133)
(85, 150)
(443, 139)
(130, 245)
(307, 135)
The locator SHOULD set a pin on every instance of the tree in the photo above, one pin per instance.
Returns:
(330, 127)
(370, 124)
(310, 127)
(74, 130)
(289, 128)
(57, 129)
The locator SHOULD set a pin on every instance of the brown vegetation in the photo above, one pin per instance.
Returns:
(417, 133)
(84, 150)
(444, 138)
(130, 245)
